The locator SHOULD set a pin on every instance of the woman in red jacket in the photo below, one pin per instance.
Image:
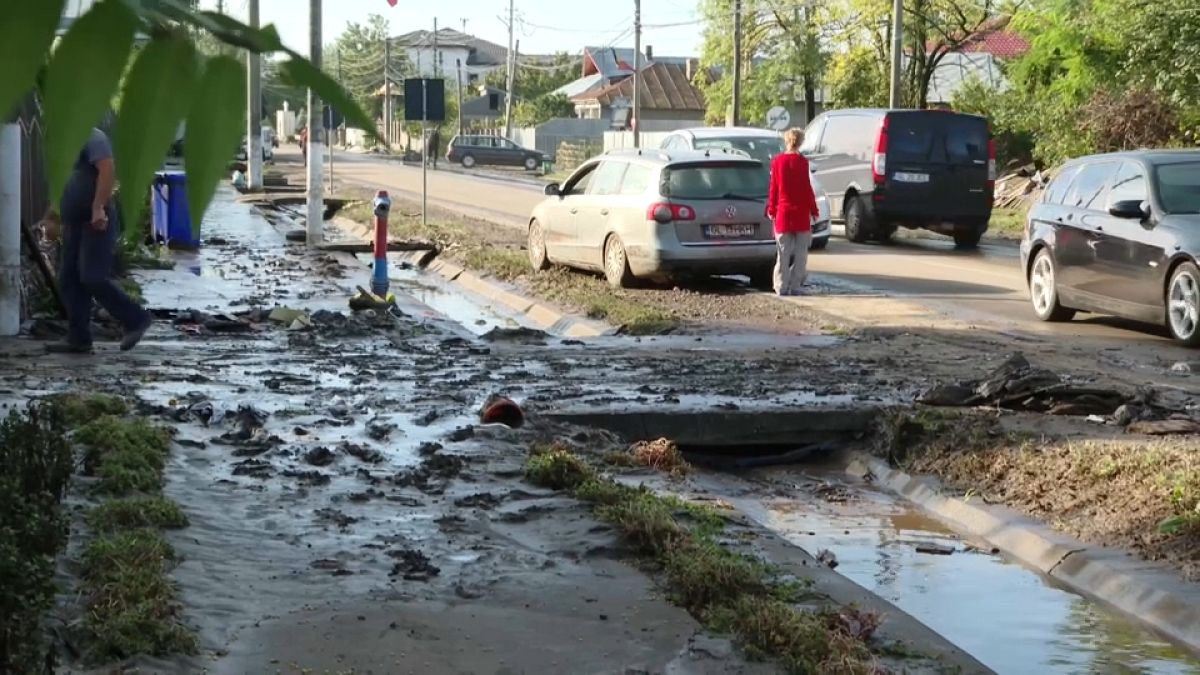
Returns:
(793, 206)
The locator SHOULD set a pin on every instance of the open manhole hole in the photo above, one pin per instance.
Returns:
(743, 439)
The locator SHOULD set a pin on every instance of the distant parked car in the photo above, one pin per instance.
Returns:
(632, 214)
(268, 151)
(883, 169)
(473, 150)
(760, 144)
(1119, 234)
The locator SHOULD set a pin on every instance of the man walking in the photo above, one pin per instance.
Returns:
(90, 234)
(434, 147)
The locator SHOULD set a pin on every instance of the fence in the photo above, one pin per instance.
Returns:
(569, 155)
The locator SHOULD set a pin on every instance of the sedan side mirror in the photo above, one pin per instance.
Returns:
(552, 190)
(1130, 208)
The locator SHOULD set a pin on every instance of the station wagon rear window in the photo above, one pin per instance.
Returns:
(725, 180)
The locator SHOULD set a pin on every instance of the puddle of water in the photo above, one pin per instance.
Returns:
(1009, 617)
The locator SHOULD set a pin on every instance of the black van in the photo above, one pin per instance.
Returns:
(931, 169)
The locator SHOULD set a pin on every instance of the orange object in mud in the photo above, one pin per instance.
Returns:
(501, 410)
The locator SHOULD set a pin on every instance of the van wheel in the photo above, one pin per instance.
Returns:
(468, 161)
(1043, 289)
(967, 236)
(538, 257)
(857, 227)
(616, 264)
(1183, 305)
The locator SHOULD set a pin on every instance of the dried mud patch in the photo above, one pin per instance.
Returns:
(1121, 491)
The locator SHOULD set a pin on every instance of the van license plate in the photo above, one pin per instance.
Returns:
(735, 231)
(911, 177)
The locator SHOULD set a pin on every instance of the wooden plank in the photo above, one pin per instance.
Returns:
(367, 247)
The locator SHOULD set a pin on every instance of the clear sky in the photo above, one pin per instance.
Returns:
(543, 26)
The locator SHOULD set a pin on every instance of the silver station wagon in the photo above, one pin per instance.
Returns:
(652, 214)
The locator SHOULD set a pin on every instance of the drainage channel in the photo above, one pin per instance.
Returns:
(1008, 616)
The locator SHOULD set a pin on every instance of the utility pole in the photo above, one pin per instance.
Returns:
(810, 103)
(637, 73)
(737, 62)
(897, 51)
(464, 24)
(10, 229)
(254, 112)
(458, 78)
(316, 136)
(435, 48)
(512, 70)
(387, 90)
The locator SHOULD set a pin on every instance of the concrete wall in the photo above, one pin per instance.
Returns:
(548, 136)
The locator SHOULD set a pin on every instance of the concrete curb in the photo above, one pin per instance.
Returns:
(1147, 591)
(540, 315)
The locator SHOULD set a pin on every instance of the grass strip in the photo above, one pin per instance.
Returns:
(130, 600)
(728, 592)
(588, 294)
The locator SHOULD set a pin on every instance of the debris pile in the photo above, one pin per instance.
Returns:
(1018, 385)
(1020, 187)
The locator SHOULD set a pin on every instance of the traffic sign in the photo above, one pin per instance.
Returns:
(778, 118)
(425, 99)
(332, 117)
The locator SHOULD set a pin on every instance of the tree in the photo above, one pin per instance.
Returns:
(535, 78)
(855, 79)
(356, 60)
(168, 82)
(532, 112)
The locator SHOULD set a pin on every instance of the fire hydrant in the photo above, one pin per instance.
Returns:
(379, 278)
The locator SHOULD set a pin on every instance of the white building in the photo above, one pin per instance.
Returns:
(478, 57)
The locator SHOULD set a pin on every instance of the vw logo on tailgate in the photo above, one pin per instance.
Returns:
(731, 212)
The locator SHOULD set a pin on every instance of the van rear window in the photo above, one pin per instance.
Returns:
(934, 136)
(715, 181)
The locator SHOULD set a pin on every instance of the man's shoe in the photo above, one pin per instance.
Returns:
(133, 337)
(66, 347)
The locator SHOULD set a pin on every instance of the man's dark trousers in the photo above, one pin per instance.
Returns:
(85, 275)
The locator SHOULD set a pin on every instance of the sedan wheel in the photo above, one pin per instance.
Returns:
(537, 247)
(1183, 305)
(1043, 290)
(616, 264)
(468, 161)
(531, 163)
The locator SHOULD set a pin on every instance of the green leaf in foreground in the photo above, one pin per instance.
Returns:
(156, 98)
(216, 121)
(26, 32)
(300, 72)
(98, 45)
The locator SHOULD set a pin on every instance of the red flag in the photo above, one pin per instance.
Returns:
(392, 3)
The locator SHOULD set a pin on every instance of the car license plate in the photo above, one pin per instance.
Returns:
(903, 177)
(735, 231)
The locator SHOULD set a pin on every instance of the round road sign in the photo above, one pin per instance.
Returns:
(778, 118)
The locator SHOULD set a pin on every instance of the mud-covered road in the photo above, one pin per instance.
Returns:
(983, 287)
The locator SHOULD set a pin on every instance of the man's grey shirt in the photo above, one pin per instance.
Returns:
(76, 205)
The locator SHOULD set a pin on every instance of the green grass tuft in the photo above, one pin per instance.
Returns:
(137, 512)
(127, 454)
(556, 469)
(79, 409)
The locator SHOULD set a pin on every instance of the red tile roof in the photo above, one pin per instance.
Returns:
(993, 38)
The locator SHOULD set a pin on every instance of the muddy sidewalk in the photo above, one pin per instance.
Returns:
(348, 514)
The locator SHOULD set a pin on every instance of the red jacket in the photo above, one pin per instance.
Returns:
(790, 201)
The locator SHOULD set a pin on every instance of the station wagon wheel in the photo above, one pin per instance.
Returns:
(538, 258)
(468, 161)
(531, 163)
(1043, 290)
(1183, 304)
(616, 264)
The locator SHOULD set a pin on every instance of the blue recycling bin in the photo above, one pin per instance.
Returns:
(169, 217)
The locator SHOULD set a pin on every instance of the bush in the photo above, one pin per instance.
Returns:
(1130, 120)
(35, 470)
(556, 469)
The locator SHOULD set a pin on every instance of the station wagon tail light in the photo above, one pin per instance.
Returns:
(665, 213)
(991, 162)
(879, 164)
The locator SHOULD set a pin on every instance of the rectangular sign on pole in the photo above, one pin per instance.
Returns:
(425, 99)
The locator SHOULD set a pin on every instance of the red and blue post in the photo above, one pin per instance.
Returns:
(379, 276)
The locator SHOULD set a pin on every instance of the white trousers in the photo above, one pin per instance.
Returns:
(791, 263)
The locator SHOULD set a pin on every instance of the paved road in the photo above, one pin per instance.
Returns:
(984, 285)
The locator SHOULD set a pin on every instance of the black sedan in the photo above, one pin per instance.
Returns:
(1119, 234)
